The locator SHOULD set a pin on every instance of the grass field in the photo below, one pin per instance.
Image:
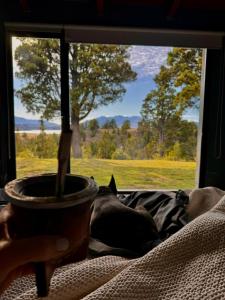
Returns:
(129, 174)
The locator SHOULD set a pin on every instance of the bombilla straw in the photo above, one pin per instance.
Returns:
(41, 270)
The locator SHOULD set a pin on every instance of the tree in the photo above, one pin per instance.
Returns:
(110, 124)
(120, 154)
(183, 72)
(97, 74)
(160, 111)
(144, 133)
(125, 126)
(176, 152)
(177, 88)
(93, 126)
(44, 145)
(83, 132)
(106, 146)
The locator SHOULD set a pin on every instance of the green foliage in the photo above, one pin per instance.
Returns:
(97, 74)
(177, 88)
(160, 112)
(162, 133)
(42, 145)
(38, 61)
(151, 149)
(26, 153)
(126, 125)
(93, 126)
(176, 152)
(132, 146)
(144, 132)
(120, 154)
(110, 124)
(106, 146)
(45, 146)
(183, 72)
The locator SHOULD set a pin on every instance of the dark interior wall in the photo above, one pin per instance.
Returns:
(183, 14)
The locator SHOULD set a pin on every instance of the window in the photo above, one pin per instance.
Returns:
(110, 146)
(36, 66)
(131, 125)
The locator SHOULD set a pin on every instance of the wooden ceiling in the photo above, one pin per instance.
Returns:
(180, 14)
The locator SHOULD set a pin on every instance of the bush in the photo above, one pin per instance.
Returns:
(120, 154)
(26, 153)
(106, 146)
(175, 153)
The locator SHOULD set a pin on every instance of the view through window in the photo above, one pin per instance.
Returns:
(134, 111)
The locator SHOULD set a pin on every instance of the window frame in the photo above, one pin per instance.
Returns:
(64, 33)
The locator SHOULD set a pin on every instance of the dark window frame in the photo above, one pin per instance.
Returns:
(64, 82)
(7, 113)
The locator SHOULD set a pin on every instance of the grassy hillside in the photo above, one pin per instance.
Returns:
(129, 174)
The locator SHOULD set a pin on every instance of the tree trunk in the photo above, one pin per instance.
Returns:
(161, 142)
(76, 145)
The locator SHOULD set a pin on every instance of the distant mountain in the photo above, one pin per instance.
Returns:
(119, 120)
(28, 124)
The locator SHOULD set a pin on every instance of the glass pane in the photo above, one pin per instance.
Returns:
(135, 114)
(36, 66)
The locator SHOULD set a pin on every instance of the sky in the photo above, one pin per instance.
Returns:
(145, 60)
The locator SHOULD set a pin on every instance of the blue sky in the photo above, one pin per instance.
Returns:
(132, 100)
(130, 105)
(146, 61)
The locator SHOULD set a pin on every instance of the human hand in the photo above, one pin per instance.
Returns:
(17, 255)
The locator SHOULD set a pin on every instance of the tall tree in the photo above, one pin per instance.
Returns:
(159, 111)
(97, 74)
(177, 88)
(183, 72)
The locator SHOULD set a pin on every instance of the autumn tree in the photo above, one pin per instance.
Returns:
(97, 74)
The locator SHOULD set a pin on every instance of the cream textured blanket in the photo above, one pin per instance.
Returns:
(188, 265)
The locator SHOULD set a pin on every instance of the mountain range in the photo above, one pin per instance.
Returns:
(30, 124)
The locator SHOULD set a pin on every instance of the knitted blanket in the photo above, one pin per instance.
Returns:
(188, 265)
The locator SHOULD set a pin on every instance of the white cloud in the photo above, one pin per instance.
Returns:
(146, 60)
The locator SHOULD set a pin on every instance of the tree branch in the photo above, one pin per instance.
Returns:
(89, 110)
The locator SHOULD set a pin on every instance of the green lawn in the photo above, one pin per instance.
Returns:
(129, 174)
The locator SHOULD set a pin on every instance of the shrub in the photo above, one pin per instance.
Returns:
(120, 154)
